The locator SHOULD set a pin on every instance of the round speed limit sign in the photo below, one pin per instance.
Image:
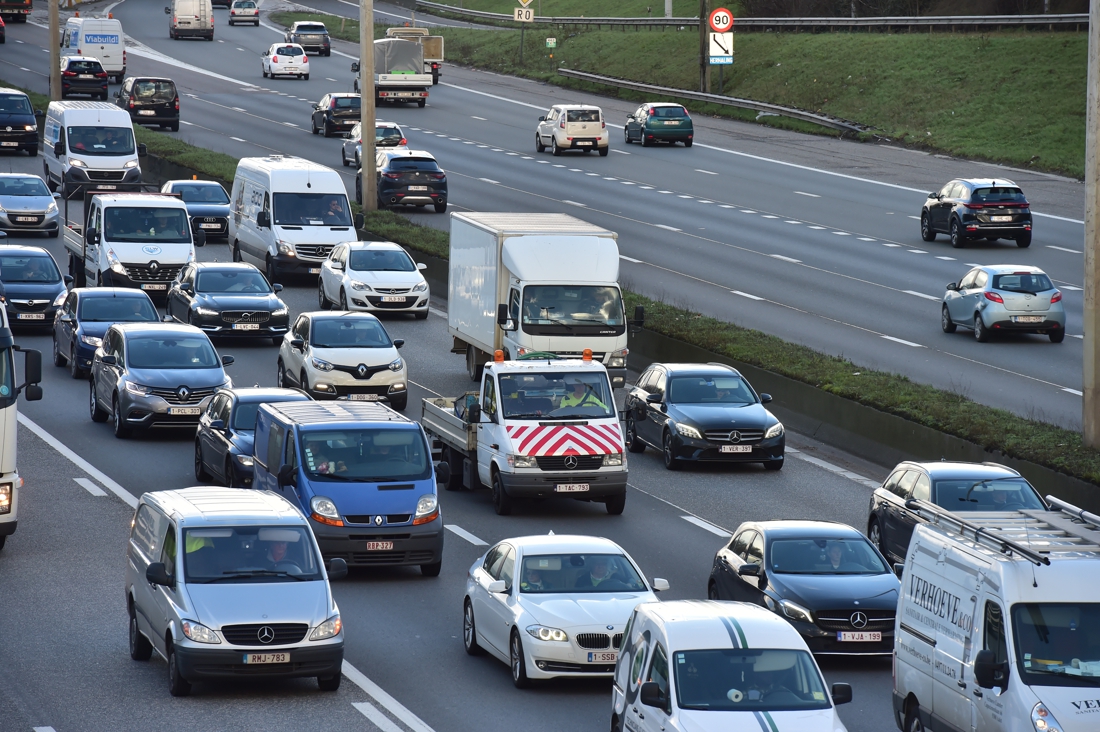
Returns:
(721, 20)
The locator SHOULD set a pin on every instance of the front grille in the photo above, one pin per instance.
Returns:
(313, 251)
(264, 669)
(393, 518)
(15, 216)
(384, 558)
(28, 306)
(593, 641)
(203, 223)
(743, 436)
(107, 175)
(146, 272)
(557, 462)
(616, 640)
(248, 635)
(245, 316)
(576, 668)
(578, 354)
(194, 396)
(877, 620)
(379, 303)
(391, 290)
(368, 371)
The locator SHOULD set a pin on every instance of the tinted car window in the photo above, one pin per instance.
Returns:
(84, 67)
(316, 28)
(143, 224)
(148, 90)
(758, 679)
(588, 573)
(368, 454)
(1022, 282)
(117, 310)
(15, 104)
(196, 193)
(388, 136)
(311, 209)
(582, 115)
(824, 556)
(101, 140)
(922, 489)
(413, 164)
(289, 51)
(349, 333)
(905, 485)
(669, 112)
(380, 260)
(28, 268)
(348, 102)
(235, 554)
(30, 186)
(236, 281)
(1009, 494)
(1001, 194)
(175, 351)
(709, 390)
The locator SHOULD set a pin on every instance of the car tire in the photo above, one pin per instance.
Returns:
(687, 143)
(121, 430)
(926, 232)
(469, 630)
(177, 685)
(257, 24)
(303, 382)
(874, 535)
(58, 359)
(1057, 336)
(615, 505)
(554, 149)
(431, 570)
(313, 126)
(280, 375)
(712, 590)
(671, 462)
(1024, 240)
(981, 333)
(441, 208)
(329, 683)
(517, 661)
(322, 301)
(98, 414)
(269, 269)
(539, 147)
(626, 136)
(632, 442)
(264, 69)
(74, 365)
(343, 299)
(400, 403)
(473, 369)
(604, 151)
(645, 142)
(140, 647)
(344, 158)
(327, 131)
(958, 239)
(200, 470)
(946, 323)
(502, 502)
(421, 104)
(230, 474)
(912, 720)
(774, 464)
(236, 252)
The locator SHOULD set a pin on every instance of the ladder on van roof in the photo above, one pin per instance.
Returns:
(1036, 536)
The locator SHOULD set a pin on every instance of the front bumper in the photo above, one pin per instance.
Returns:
(83, 354)
(147, 412)
(333, 384)
(535, 483)
(19, 140)
(320, 658)
(156, 289)
(372, 302)
(550, 659)
(214, 326)
(7, 528)
(43, 222)
(687, 448)
(824, 642)
(412, 545)
(293, 264)
(104, 180)
(30, 318)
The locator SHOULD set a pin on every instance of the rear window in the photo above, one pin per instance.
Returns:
(388, 136)
(149, 90)
(288, 51)
(348, 102)
(84, 67)
(312, 28)
(1023, 282)
(668, 111)
(413, 164)
(582, 115)
(1000, 194)
(244, 4)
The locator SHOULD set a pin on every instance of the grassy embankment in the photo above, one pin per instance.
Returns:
(1016, 98)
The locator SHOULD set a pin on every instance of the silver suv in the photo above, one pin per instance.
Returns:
(1001, 298)
(228, 583)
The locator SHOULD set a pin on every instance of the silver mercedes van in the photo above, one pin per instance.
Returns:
(226, 583)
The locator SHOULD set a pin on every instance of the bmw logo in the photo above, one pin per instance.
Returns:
(611, 627)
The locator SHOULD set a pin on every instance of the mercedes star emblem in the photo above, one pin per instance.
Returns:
(362, 370)
(9, 128)
(859, 619)
(377, 520)
(735, 436)
(571, 462)
(183, 393)
(265, 634)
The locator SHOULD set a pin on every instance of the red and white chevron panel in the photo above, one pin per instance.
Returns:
(593, 439)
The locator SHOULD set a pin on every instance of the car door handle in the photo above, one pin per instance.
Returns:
(495, 446)
(978, 693)
(961, 683)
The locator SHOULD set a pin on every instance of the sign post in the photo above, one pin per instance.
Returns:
(721, 42)
(367, 97)
(523, 15)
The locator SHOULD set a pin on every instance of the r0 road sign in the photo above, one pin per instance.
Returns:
(523, 15)
(721, 20)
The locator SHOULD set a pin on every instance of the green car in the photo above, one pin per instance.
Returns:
(657, 122)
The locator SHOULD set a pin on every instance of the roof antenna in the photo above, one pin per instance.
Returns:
(551, 532)
(1027, 535)
(308, 184)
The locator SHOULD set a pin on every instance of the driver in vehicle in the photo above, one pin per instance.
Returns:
(335, 210)
(581, 396)
(600, 572)
(34, 271)
(276, 552)
(834, 553)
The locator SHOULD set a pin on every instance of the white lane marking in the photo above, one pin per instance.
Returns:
(745, 294)
(792, 222)
(1071, 288)
(18, 41)
(646, 188)
(492, 96)
(23, 69)
(525, 157)
(904, 343)
(89, 486)
(842, 233)
(610, 178)
(241, 49)
(706, 526)
(441, 314)
(481, 146)
(238, 139)
(394, 707)
(78, 461)
(574, 203)
(817, 228)
(702, 201)
(664, 191)
(866, 238)
(630, 259)
(631, 183)
(490, 180)
(1072, 391)
(41, 729)
(888, 244)
(459, 531)
(915, 217)
(921, 294)
(290, 124)
(917, 251)
(708, 172)
(948, 259)
(543, 162)
(1078, 337)
(785, 259)
(220, 41)
(1063, 249)
(495, 149)
(811, 195)
(726, 205)
(684, 195)
(621, 152)
(770, 216)
(185, 122)
(327, 78)
(374, 714)
(799, 455)
(474, 116)
(597, 175)
(669, 228)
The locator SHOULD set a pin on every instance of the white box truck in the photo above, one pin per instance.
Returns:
(100, 38)
(10, 482)
(526, 283)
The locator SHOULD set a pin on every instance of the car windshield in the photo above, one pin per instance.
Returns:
(824, 556)
(15, 268)
(146, 224)
(289, 51)
(201, 193)
(252, 554)
(376, 455)
(388, 137)
(570, 573)
(748, 680)
(668, 111)
(29, 186)
(1057, 644)
(124, 309)
(710, 389)
(577, 395)
(348, 102)
(244, 282)
(85, 67)
(312, 28)
(154, 90)
(413, 164)
(1000, 194)
(14, 104)
(380, 260)
(1028, 282)
(349, 333)
(582, 115)
(174, 351)
(312, 209)
(570, 309)
(100, 140)
(1005, 494)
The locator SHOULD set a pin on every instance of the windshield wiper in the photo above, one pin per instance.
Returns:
(237, 574)
(576, 416)
(1024, 292)
(525, 415)
(336, 476)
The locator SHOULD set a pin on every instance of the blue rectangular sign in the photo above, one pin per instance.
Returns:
(721, 60)
(103, 39)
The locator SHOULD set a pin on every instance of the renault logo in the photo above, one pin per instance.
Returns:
(735, 436)
(153, 266)
(362, 370)
(571, 462)
(858, 619)
(183, 393)
(377, 520)
(265, 634)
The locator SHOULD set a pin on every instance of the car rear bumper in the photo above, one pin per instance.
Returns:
(324, 660)
(542, 484)
(194, 32)
(1001, 230)
(678, 135)
(85, 87)
(412, 545)
(585, 143)
(159, 117)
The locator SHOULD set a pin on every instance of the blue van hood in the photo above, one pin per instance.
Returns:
(366, 498)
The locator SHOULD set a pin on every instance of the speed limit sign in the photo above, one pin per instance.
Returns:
(721, 20)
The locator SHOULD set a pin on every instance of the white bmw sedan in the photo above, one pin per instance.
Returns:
(552, 606)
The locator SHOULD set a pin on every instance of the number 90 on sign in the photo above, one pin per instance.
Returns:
(721, 20)
(523, 15)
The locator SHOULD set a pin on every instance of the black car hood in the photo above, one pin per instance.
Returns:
(16, 118)
(207, 209)
(833, 591)
(706, 416)
(33, 290)
(259, 301)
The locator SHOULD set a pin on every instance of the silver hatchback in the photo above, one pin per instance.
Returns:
(1004, 298)
(27, 206)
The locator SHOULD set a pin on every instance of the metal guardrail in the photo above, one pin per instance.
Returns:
(928, 21)
(824, 120)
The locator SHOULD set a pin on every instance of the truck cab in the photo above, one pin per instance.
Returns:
(10, 482)
(361, 473)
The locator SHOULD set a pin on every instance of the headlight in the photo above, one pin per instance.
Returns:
(287, 248)
(116, 266)
(327, 629)
(522, 461)
(208, 312)
(547, 634)
(5, 497)
(245, 461)
(1043, 720)
(774, 431)
(60, 299)
(281, 311)
(796, 612)
(360, 287)
(324, 507)
(30, 128)
(91, 341)
(130, 164)
(52, 208)
(321, 365)
(397, 364)
(688, 431)
(77, 163)
(199, 633)
(617, 359)
(613, 459)
(422, 287)
(427, 504)
(137, 388)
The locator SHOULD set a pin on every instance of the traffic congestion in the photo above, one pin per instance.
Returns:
(327, 481)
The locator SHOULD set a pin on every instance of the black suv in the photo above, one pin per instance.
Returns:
(988, 209)
(957, 487)
(336, 113)
(150, 101)
(407, 178)
(18, 126)
(310, 35)
(83, 76)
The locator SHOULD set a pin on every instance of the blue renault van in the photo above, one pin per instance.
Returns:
(361, 473)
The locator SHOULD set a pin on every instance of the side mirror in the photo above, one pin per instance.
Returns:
(200, 238)
(659, 584)
(277, 287)
(32, 392)
(899, 568)
(186, 287)
(765, 398)
(167, 319)
(442, 472)
(118, 94)
(421, 266)
(497, 586)
(355, 66)
(297, 343)
(935, 196)
(398, 342)
(652, 696)
(749, 570)
(66, 318)
(639, 316)
(346, 135)
(338, 266)
(67, 279)
(953, 286)
(217, 424)
(109, 360)
(288, 475)
(92, 236)
(142, 150)
(653, 398)
(502, 314)
(841, 693)
(988, 673)
(337, 568)
(157, 574)
(168, 11)
(360, 221)
(228, 360)
(263, 219)
(32, 366)
(473, 413)
(59, 148)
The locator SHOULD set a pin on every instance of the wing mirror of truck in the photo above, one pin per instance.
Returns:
(652, 696)
(355, 67)
(288, 475)
(360, 221)
(92, 236)
(442, 472)
(168, 11)
(263, 219)
(639, 319)
(59, 148)
(473, 413)
(988, 673)
(157, 574)
(503, 320)
(142, 150)
(337, 568)
(841, 693)
(32, 373)
(200, 238)
(749, 570)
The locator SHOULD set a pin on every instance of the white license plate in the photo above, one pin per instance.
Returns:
(103, 187)
(210, 226)
(246, 326)
(379, 546)
(418, 188)
(31, 316)
(30, 219)
(85, 76)
(863, 637)
(392, 298)
(672, 123)
(185, 411)
(154, 287)
(267, 658)
(1000, 218)
(9, 144)
(571, 487)
(315, 270)
(735, 448)
(1028, 319)
(146, 112)
(291, 69)
(603, 656)
(364, 398)
(584, 143)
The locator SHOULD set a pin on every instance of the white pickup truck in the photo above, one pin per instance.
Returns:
(539, 428)
(398, 72)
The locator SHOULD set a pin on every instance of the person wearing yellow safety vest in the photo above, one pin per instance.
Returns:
(581, 396)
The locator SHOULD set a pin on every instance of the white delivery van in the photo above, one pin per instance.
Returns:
(89, 146)
(100, 38)
(998, 626)
(190, 19)
(287, 214)
(535, 282)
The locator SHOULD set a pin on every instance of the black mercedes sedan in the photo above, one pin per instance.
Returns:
(223, 445)
(824, 578)
(228, 299)
(702, 412)
(33, 287)
(207, 205)
(972, 209)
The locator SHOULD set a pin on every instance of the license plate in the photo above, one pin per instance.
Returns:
(102, 187)
(31, 316)
(603, 656)
(267, 658)
(364, 397)
(185, 411)
(392, 298)
(735, 448)
(315, 270)
(246, 326)
(30, 219)
(1028, 319)
(146, 112)
(864, 637)
(418, 188)
(9, 144)
(291, 69)
(571, 487)
(584, 143)
(210, 226)
(1000, 218)
(154, 286)
(85, 76)
(379, 546)
(672, 123)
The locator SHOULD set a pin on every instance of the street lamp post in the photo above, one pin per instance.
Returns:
(55, 52)
(367, 96)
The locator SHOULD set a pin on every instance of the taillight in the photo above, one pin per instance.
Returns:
(274, 59)
(131, 104)
(437, 176)
(562, 123)
(177, 104)
(124, 57)
(603, 125)
(68, 73)
(101, 75)
(974, 205)
(403, 141)
(652, 112)
(332, 104)
(392, 176)
(232, 12)
(994, 297)
(1056, 297)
